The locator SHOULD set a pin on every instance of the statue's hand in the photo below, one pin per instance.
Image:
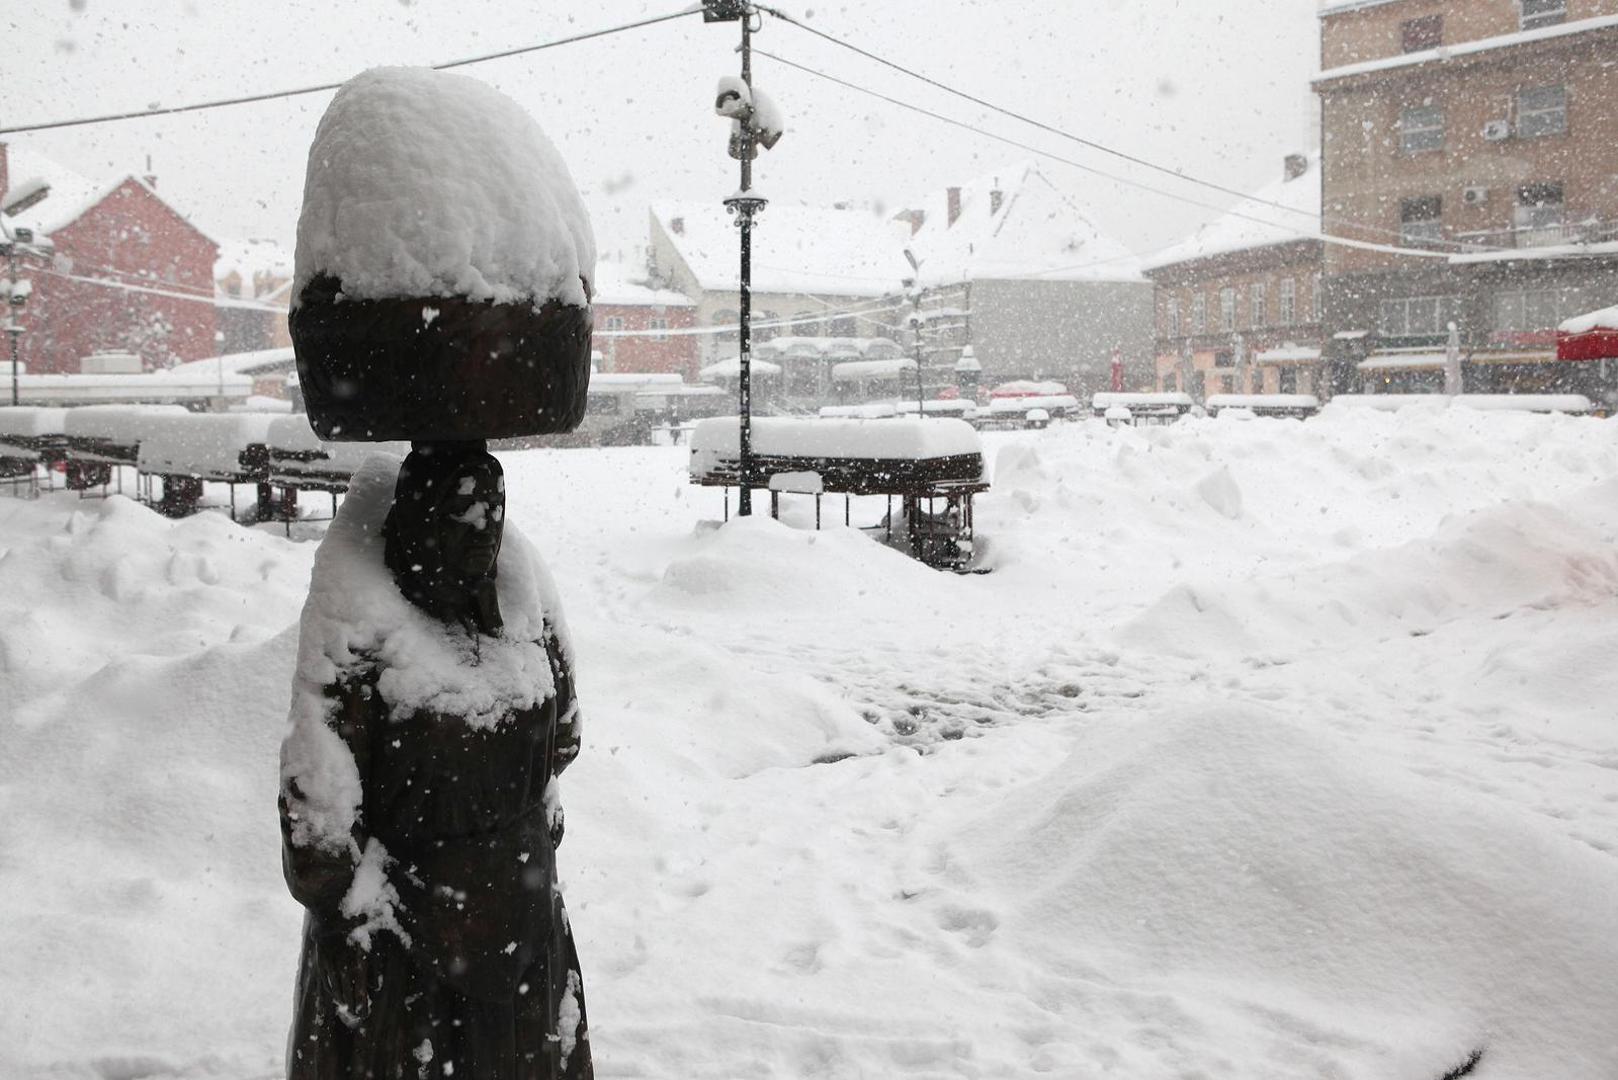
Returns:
(345, 971)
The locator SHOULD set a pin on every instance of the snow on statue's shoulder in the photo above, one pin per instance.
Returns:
(425, 183)
(356, 622)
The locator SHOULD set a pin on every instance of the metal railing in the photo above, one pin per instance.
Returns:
(1586, 231)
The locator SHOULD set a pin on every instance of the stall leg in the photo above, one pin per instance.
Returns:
(775, 505)
(817, 512)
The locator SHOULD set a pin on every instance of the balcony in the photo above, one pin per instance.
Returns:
(1588, 229)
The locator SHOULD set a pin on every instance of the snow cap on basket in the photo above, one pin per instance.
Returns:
(425, 183)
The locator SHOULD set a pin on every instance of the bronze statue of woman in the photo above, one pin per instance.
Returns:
(419, 808)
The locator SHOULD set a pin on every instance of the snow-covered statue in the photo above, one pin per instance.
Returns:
(442, 297)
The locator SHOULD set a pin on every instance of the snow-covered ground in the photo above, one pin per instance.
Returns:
(1268, 749)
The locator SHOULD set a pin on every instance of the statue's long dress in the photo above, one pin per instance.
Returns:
(489, 982)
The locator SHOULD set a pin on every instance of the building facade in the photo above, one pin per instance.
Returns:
(1237, 304)
(1009, 265)
(1475, 140)
(113, 268)
(642, 329)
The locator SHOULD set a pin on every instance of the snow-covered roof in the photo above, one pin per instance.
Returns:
(31, 421)
(1236, 230)
(1447, 53)
(731, 368)
(1043, 402)
(1106, 399)
(796, 249)
(796, 346)
(1287, 354)
(910, 438)
(1039, 230)
(1395, 361)
(70, 193)
(261, 362)
(208, 443)
(1028, 388)
(624, 286)
(854, 370)
(1604, 319)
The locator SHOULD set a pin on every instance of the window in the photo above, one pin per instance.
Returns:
(1541, 111)
(1257, 304)
(1199, 314)
(1227, 309)
(843, 326)
(1537, 13)
(657, 326)
(1171, 317)
(1538, 215)
(1314, 298)
(1426, 32)
(1527, 310)
(1418, 316)
(726, 317)
(1224, 360)
(1421, 221)
(1287, 379)
(1288, 301)
(613, 322)
(1421, 129)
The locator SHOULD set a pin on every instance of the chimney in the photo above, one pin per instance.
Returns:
(677, 226)
(953, 195)
(150, 177)
(1296, 165)
(914, 218)
(996, 198)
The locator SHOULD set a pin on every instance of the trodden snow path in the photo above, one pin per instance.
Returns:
(1268, 749)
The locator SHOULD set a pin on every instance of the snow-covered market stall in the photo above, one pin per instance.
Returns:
(934, 467)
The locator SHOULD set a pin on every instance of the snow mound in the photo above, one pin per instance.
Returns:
(1305, 887)
(356, 615)
(761, 564)
(424, 183)
(1491, 563)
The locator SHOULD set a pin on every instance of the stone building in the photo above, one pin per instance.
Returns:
(113, 268)
(1476, 137)
(1237, 303)
(1010, 265)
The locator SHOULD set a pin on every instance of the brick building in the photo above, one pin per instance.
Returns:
(1478, 137)
(115, 268)
(622, 303)
(1236, 304)
(253, 280)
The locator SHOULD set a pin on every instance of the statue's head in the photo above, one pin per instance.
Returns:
(442, 535)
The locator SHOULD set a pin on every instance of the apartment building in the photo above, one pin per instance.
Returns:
(1468, 147)
(1237, 303)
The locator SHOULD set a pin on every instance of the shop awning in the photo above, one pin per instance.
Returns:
(1592, 336)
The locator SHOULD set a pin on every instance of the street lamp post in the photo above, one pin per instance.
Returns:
(741, 105)
(16, 297)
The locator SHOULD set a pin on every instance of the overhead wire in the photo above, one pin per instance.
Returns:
(272, 95)
(1342, 241)
(1100, 147)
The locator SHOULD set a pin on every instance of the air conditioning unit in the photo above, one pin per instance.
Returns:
(1495, 130)
(1475, 196)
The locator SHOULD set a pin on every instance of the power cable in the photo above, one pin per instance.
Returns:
(1363, 245)
(273, 95)
(1081, 140)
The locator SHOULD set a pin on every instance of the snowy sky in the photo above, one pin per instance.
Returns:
(1219, 90)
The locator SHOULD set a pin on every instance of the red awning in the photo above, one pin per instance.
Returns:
(1598, 344)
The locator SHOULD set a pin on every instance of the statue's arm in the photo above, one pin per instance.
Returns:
(320, 876)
